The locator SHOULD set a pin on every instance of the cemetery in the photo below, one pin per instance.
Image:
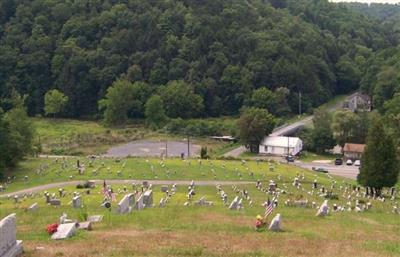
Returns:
(180, 207)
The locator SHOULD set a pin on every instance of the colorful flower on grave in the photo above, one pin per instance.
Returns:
(52, 228)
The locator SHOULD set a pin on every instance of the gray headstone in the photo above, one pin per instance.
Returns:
(148, 198)
(125, 205)
(323, 210)
(86, 225)
(55, 202)
(77, 201)
(234, 203)
(139, 203)
(164, 189)
(95, 218)
(64, 231)
(9, 245)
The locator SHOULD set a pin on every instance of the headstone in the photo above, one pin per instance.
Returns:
(33, 207)
(64, 231)
(95, 218)
(234, 203)
(9, 245)
(148, 198)
(323, 210)
(55, 202)
(125, 205)
(77, 201)
(164, 189)
(275, 223)
(86, 225)
(139, 203)
(203, 202)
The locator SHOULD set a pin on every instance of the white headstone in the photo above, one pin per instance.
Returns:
(77, 201)
(148, 198)
(234, 203)
(323, 210)
(275, 223)
(64, 231)
(9, 245)
(125, 205)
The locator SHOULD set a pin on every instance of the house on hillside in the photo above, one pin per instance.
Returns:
(353, 151)
(280, 145)
(358, 102)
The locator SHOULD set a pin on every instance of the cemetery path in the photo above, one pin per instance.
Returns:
(124, 181)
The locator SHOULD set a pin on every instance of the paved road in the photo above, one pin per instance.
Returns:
(145, 148)
(125, 182)
(339, 170)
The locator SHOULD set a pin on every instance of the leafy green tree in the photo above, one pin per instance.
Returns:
(254, 124)
(55, 101)
(123, 100)
(344, 124)
(322, 135)
(180, 100)
(264, 98)
(380, 166)
(154, 112)
(16, 133)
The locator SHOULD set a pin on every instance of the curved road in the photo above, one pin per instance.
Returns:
(125, 181)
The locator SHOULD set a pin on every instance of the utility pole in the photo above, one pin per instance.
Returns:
(188, 146)
(299, 103)
(166, 148)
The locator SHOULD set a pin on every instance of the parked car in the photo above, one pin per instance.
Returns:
(349, 162)
(338, 161)
(319, 169)
(357, 163)
(289, 158)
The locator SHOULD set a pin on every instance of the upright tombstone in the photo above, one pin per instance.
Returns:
(234, 203)
(125, 205)
(139, 203)
(148, 198)
(323, 210)
(275, 224)
(9, 245)
(164, 188)
(77, 201)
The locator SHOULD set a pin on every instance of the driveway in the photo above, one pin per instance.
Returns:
(144, 148)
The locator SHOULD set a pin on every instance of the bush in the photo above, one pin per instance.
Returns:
(203, 153)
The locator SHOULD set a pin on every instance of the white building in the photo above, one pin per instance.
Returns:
(279, 145)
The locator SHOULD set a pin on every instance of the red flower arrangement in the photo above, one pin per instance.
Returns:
(52, 228)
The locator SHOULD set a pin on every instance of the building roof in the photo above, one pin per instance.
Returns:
(281, 141)
(354, 148)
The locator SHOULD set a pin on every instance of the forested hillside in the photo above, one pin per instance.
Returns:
(215, 53)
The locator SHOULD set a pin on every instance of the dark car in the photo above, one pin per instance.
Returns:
(289, 158)
(338, 161)
(319, 169)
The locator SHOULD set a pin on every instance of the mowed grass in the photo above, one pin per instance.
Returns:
(40, 171)
(178, 230)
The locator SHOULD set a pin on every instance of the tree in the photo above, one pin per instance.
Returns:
(254, 124)
(343, 125)
(322, 135)
(54, 102)
(379, 164)
(154, 112)
(122, 100)
(264, 98)
(180, 100)
(16, 133)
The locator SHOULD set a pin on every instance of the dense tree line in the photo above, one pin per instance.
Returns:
(220, 54)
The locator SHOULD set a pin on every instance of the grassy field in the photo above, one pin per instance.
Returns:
(79, 137)
(309, 156)
(178, 230)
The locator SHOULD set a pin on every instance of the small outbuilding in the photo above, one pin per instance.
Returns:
(281, 145)
(353, 151)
